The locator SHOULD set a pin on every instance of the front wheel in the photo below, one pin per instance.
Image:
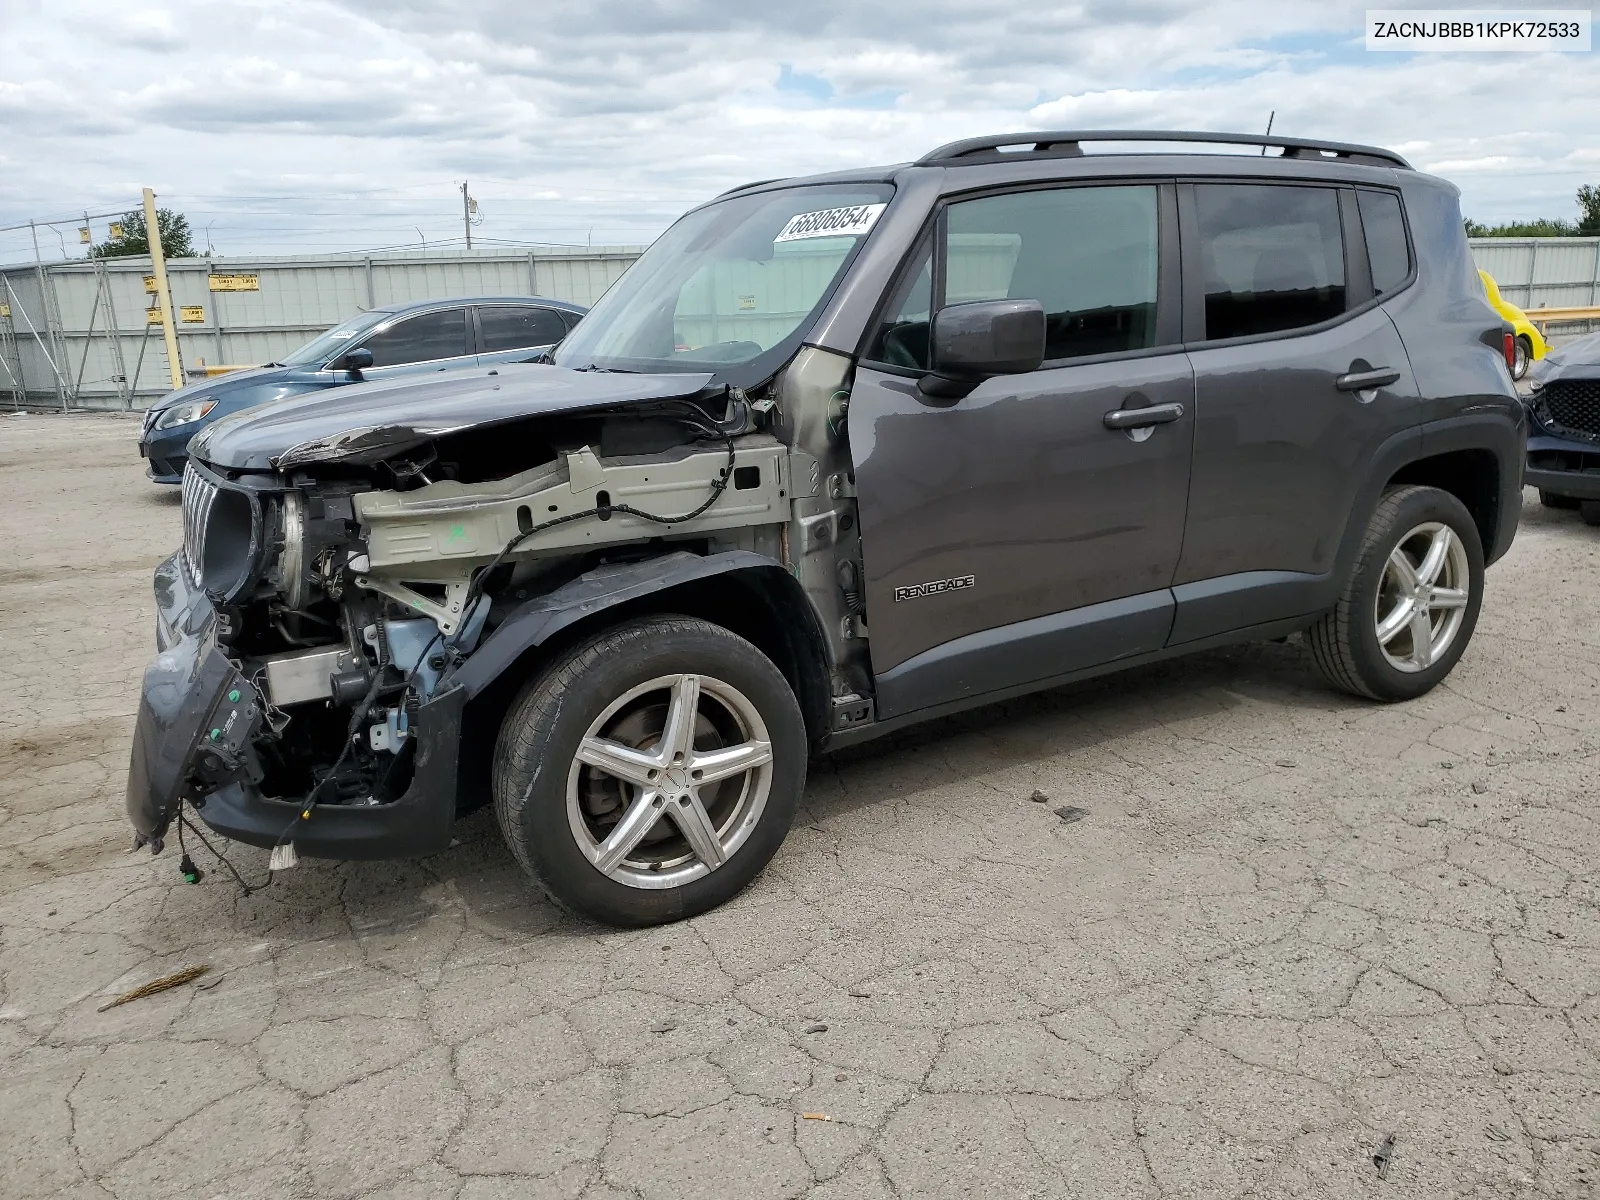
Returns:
(1589, 510)
(651, 772)
(1411, 603)
(1522, 356)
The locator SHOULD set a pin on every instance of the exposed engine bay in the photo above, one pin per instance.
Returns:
(350, 582)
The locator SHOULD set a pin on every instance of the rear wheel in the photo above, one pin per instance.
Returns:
(1551, 500)
(1411, 603)
(651, 772)
(1589, 510)
(1522, 356)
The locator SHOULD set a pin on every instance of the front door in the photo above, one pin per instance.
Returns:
(1017, 534)
(430, 341)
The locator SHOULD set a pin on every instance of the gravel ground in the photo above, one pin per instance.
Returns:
(1290, 924)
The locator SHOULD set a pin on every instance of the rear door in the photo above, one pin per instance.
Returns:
(1300, 376)
(517, 332)
(430, 341)
(1012, 536)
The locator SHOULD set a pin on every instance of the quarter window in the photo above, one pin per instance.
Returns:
(1385, 230)
(1272, 257)
(519, 328)
(423, 338)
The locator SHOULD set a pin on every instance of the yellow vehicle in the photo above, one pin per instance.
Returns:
(1531, 346)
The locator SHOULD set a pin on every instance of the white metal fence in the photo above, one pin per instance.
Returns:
(76, 334)
(1543, 272)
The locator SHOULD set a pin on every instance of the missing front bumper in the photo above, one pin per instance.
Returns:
(194, 739)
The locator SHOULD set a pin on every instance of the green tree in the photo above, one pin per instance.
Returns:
(133, 238)
(1589, 210)
(1543, 227)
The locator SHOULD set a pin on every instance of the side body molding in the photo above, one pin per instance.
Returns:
(1030, 651)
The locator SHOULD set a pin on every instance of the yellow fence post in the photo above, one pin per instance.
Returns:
(158, 265)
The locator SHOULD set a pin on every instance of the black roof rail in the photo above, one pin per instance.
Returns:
(745, 187)
(1067, 143)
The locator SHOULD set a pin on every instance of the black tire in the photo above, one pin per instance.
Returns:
(1551, 500)
(539, 740)
(1523, 357)
(1345, 643)
(1589, 510)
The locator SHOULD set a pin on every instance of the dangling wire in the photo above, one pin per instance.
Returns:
(186, 864)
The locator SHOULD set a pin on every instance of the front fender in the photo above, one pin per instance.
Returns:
(538, 620)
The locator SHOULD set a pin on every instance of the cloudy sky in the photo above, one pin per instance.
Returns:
(321, 125)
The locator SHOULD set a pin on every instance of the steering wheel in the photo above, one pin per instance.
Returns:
(900, 346)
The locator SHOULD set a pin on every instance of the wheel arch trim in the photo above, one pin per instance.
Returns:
(654, 581)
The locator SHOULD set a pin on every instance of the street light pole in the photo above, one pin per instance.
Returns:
(466, 213)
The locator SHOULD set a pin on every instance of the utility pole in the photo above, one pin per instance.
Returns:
(158, 264)
(466, 213)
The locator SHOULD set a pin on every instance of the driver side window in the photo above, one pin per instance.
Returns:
(1088, 254)
(422, 338)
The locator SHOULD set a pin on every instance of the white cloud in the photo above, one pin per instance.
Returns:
(325, 124)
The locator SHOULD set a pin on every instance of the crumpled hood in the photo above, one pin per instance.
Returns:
(1578, 359)
(368, 421)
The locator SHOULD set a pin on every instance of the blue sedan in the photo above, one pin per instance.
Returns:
(404, 339)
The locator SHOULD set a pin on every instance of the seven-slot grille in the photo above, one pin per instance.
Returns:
(1574, 404)
(199, 494)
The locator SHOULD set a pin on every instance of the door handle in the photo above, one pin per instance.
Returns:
(1363, 381)
(1138, 418)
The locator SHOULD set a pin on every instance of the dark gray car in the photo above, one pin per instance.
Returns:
(836, 455)
(1564, 441)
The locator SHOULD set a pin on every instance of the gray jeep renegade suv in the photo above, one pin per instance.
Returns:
(836, 455)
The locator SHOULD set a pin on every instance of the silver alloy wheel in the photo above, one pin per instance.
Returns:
(669, 781)
(1521, 357)
(1423, 597)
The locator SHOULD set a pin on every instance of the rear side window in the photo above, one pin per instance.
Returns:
(422, 338)
(519, 327)
(1273, 257)
(1385, 228)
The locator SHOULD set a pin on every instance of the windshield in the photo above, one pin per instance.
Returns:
(323, 347)
(728, 282)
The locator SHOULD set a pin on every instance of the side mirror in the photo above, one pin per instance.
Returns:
(357, 360)
(972, 342)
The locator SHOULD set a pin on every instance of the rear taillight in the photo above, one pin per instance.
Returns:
(1509, 344)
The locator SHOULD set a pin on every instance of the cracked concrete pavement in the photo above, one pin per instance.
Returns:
(1291, 923)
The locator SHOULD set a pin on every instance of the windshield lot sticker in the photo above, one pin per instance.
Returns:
(831, 222)
(917, 590)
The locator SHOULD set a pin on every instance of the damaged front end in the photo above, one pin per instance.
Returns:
(314, 628)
